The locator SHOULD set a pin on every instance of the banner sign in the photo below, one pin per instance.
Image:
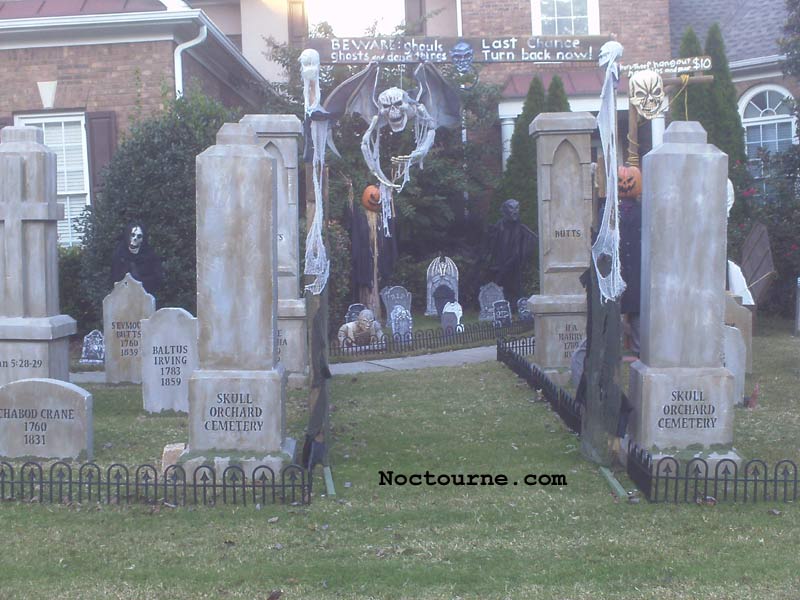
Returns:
(411, 49)
(692, 64)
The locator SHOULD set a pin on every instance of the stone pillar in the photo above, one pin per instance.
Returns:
(237, 394)
(280, 136)
(681, 394)
(564, 180)
(34, 337)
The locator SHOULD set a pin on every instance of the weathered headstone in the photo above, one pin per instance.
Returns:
(280, 136)
(441, 272)
(502, 313)
(237, 395)
(523, 311)
(401, 323)
(123, 310)
(93, 351)
(564, 178)
(169, 355)
(740, 317)
(681, 394)
(45, 418)
(34, 337)
(487, 296)
(451, 318)
(353, 311)
(734, 358)
(396, 295)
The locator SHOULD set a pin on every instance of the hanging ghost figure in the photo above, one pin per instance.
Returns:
(646, 93)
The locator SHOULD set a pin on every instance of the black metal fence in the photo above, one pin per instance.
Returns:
(428, 339)
(669, 480)
(62, 483)
(514, 354)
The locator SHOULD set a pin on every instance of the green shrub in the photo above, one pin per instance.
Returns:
(73, 299)
(151, 179)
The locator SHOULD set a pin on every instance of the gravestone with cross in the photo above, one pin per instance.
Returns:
(34, 337)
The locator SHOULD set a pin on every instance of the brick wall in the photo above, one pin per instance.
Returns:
(103, 77)
(194, 73)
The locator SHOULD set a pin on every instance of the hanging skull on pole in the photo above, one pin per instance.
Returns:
(435, 104)
(646, 93)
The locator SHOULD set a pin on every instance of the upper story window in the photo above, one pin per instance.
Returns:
(768, 123)
(565, 17)
(65, 134)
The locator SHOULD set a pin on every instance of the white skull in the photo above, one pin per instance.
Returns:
(610, 52)
(646, 93)
(309, 71)
(136, 239)
(395, 107)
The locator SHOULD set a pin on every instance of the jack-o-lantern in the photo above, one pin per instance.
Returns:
(371, 198)
(629, 182)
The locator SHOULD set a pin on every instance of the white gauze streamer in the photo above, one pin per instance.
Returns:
(605, 250)
(317, 262)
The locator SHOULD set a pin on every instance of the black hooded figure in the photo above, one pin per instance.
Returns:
(511, 246)
(135, 256)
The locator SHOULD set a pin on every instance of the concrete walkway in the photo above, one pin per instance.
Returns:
(453, 358)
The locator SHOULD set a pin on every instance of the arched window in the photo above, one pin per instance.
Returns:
(768, 122)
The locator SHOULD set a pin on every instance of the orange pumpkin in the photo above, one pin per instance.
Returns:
(629, 182)
(371, 198)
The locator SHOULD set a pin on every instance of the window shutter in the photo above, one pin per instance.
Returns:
(101, 138)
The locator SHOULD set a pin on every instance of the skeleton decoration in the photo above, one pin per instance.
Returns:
(435, 104)
(605, 251)
(136, 238)
(646, 93)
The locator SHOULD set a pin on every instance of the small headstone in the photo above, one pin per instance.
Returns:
(45, 418)
(442, 295)
(123, 310)
(734, 358)
(441, 271)
(94, 349)
(487, 296)
(451, 318)
(523, 311)
(396, 295)
(740, 317)
(352, 312)
(502, 313)
(169, 355)
(401, 323)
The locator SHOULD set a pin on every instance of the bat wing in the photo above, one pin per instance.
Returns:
(439, 97)
(355, 95)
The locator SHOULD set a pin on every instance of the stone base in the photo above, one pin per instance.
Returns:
(298, 381)
(35, 348)
(292, 349)
(559, 327)
(233, 412)
(680, 408)
(562, 378)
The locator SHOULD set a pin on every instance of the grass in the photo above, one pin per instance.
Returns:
(393, 542)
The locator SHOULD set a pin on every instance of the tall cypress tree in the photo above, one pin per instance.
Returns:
(556, 96)
(693, 98)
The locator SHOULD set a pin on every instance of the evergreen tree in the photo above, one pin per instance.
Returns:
(691, 103)
(556, 96)
(790, 43)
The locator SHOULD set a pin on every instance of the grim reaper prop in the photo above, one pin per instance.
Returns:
(434, 104)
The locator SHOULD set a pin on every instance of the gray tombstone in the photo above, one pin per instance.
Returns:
(94, 349)
(396, 295)
(441, 271)
(502, 313)
(487, 296)
(734, 358)
(451, 318)
(123, 310)
(401, 323)
(523, 311)
(353, 311)
(45, 418)
(169, 355)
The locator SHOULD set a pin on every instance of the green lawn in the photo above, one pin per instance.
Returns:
(422, 542)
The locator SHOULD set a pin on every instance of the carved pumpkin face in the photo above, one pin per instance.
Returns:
(629, 182)
(371, 198)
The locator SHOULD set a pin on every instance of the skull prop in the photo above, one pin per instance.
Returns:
(395, 107)
(136, 239)
(646, 92)
(462, 55)
(309, 70)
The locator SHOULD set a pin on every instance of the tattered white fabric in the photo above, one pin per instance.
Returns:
(386, 208)
(317, 262)
(605, 250)
(309, 71)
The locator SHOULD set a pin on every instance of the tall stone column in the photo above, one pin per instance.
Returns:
(280, 136)
(237, 395)
(682, 395)
(564, 183)
(34, 337)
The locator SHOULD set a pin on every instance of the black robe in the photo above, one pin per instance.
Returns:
(511, 246)
(145, 266)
